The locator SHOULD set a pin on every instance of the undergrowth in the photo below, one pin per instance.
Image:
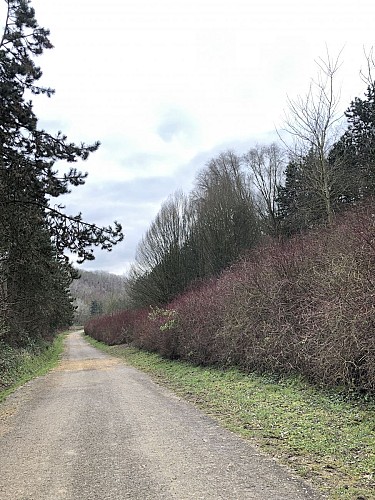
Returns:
(18, 366)
(327, 437)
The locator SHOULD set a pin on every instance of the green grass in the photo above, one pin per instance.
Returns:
(20, 366)
(325, 437)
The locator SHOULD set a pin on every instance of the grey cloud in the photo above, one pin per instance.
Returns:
(132, 203)
(140, 160)
(135, 203)
(52, 126)
(175, 123)
(188, 172)
(147, 190)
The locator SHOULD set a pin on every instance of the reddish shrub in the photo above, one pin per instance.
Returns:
(306, 305)
(117, 328)
(200, 319)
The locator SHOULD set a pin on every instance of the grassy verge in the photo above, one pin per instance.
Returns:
(18, 367)
(323, 436)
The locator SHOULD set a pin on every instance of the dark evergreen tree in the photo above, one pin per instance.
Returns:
(354, 153)
(96, 308)
(29, 182)
(37, 301)
(299, 207)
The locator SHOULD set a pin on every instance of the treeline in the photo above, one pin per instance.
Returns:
(271, 191)
(197, 236)
(97, 292)
(267, 263)
(35, 232)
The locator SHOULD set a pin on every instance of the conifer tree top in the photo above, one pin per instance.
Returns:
(28, 174)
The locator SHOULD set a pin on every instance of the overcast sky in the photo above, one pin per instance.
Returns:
(166, 85)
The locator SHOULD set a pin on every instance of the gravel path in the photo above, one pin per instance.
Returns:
(96, 429)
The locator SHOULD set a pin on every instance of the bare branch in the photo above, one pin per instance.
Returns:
(311, 121)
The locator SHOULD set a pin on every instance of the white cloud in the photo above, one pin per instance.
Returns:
(161, 83)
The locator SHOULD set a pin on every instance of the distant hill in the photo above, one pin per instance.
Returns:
(98, 292)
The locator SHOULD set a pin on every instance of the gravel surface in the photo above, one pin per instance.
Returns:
(94, 428)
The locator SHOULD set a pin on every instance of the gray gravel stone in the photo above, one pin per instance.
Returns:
(96, 429)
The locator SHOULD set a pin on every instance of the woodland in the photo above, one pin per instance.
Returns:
(96, 293)
(267, 264)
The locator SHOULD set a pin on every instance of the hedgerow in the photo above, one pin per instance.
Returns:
(305, 305)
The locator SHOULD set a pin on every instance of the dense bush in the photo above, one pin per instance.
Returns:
(20, 363)
(117, 328)
(306, 306)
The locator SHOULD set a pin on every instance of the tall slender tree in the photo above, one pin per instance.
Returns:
(312, 121)
(29, 179)
(354, 152)
(266, 165)
(226, 220)
(162, 270)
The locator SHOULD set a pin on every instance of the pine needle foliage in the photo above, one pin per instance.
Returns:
(35, 231)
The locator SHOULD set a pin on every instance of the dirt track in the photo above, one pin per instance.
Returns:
(97, 429)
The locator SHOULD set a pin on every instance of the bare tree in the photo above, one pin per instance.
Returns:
(312, 121)
(160, 271)
(226, 221)
(266, 165)
(368, 77)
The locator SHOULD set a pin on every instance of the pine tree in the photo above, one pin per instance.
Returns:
(299, 207)
(354, 153)
(29, 182)
(96, 308)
